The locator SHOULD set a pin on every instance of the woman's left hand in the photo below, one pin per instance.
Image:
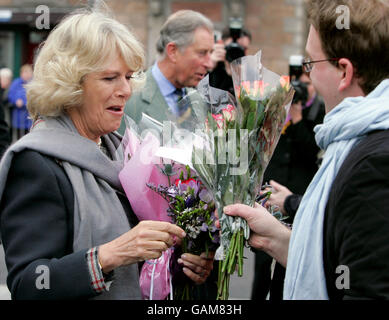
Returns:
(197, 268)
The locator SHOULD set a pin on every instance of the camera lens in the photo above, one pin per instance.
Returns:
(301, 92)
(234, 51)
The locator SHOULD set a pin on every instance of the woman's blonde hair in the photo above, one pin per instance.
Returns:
(79, 45)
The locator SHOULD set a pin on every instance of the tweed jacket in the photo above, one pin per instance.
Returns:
(150, 101)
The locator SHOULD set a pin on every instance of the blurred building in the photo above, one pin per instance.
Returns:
(278, 27)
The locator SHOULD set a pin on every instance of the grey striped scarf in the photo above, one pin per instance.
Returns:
(99, 216)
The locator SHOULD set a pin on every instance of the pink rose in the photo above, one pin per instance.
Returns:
(219, 120)
(229, 112)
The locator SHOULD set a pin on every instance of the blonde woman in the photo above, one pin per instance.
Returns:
(68, 230)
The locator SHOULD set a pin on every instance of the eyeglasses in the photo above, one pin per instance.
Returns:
(308, 64)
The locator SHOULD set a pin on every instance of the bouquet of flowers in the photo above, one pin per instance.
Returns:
(166, 191)
(246, 131)
(140, 145)
(191, 207)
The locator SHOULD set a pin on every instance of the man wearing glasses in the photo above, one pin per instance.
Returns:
(339, 246)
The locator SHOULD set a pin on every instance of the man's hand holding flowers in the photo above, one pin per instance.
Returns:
(267, 233)
(197, 268)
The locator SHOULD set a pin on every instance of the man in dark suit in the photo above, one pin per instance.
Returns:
(184, 56)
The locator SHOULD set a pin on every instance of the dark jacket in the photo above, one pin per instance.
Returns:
(291, 204)
(5, 135)
(5, 138)
(23, 209)
(294, 162)
(356, 223)
(24, 216)
(220, 79)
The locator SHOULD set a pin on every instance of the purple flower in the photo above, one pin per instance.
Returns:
(189, 202)
(216, 238)
(200, 219)
(190, 183)
(172, 191)
(182, 187)
(212, 228)
(204, 227)
(194, 185)
(205, 196)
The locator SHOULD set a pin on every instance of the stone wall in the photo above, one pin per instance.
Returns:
(279, 30)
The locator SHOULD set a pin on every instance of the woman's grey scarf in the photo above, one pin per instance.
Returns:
(99, 216)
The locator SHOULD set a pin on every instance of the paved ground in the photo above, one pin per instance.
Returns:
(4, 293)
(240, 287)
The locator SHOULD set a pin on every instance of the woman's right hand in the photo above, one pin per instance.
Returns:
(147, 240)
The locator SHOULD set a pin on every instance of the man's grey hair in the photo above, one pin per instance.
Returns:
(6, 73)
(180, 27)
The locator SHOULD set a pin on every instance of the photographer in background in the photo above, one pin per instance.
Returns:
(293, 164)
(234, 44)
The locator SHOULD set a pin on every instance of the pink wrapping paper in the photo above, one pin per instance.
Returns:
(142, 169)
(155, 279)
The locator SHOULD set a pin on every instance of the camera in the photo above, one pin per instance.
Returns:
(234, 50)
(295, 71)
(301, 92)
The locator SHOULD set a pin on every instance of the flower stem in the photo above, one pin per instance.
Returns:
(240, 251)
(227, 267)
